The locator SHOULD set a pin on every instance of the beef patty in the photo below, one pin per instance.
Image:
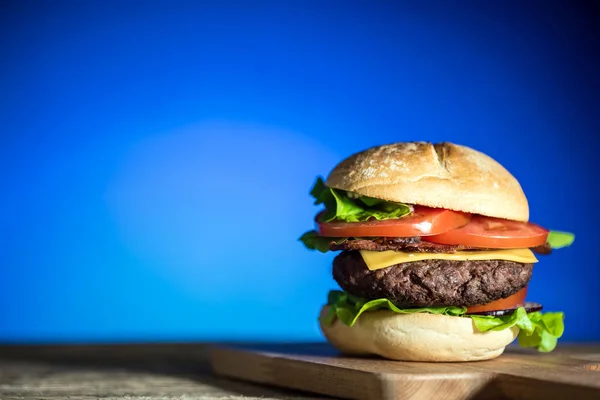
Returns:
(431, 282)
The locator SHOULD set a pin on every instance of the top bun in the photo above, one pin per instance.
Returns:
(441, 175)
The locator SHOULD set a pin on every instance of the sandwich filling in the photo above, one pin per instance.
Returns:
(406, 258)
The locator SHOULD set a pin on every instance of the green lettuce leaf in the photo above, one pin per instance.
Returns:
(536, 329)
(313, 241)
(347, 308)
(343, 206)
(557, 239)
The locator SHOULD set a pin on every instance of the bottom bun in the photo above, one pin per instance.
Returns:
(417, 337)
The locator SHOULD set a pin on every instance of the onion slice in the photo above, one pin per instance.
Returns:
(529, 307)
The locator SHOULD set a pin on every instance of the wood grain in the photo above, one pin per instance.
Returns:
(183, 372)
(131, 372)
(568, 373)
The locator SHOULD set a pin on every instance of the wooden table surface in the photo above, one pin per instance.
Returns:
(145, 372)
(132, 372)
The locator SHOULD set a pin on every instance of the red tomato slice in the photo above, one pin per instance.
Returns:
(493, 233)
(422, 221)
(502, 304)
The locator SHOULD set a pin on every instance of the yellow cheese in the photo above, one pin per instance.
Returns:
(382, 259)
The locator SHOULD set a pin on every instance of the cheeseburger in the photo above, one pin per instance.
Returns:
(435, 254)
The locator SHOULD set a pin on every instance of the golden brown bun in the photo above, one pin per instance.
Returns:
(417, 337)
(441, 175)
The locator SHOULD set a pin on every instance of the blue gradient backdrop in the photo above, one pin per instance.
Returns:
(156, 158)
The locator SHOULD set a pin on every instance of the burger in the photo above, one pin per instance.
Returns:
(435, 254)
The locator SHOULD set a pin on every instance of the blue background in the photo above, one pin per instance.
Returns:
(156, 158)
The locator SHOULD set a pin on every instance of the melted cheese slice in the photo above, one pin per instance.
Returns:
(383, 259)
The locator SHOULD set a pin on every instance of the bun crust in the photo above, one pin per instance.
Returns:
(417, 337)
(443, 175)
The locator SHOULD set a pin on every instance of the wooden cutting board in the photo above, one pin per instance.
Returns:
(570, 372)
